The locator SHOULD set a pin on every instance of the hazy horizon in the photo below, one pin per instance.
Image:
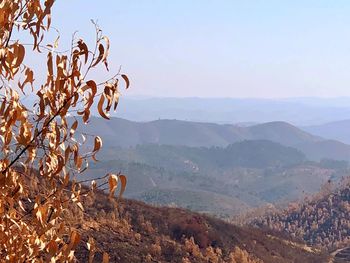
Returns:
(260, 49)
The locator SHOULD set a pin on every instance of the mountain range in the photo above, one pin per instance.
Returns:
(219, 169)
(123, 133)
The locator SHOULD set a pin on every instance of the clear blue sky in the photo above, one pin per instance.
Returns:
(222, 48)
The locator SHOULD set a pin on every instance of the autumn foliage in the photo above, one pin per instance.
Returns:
(41, 148)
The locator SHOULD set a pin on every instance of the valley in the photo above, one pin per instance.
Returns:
(222, 170)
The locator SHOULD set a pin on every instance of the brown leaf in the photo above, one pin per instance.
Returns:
(49, 64)
(73, 128)
(97, 144)
(101, 51)
(100, 107)
(106, 53)
(126, 79)
(83, 49)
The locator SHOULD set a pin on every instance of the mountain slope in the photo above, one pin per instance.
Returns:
(326, 149)
(282, 132)
(135, 232)
(323, 221)
(120, 132)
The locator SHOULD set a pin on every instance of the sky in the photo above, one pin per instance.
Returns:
(202, 48)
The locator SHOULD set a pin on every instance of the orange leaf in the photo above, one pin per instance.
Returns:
(105, 258)
(74, 239)
(52, 247)
(123, 181)
(113, 183)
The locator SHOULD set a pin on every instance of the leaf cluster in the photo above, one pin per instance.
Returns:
(38, 144)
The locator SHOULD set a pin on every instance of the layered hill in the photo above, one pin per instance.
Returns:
(123, 133)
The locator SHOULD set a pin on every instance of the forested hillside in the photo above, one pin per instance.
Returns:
(248, 154)
(323, 221)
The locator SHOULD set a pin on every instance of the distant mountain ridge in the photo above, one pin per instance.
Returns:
(121, 132)
(338, 130)
(299, 111)
(124, 133)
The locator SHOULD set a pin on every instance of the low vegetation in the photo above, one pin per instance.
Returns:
(132, 231)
